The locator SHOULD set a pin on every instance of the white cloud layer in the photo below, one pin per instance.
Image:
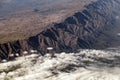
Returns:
(85, 65)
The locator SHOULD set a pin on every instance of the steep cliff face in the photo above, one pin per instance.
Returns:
(81, 30)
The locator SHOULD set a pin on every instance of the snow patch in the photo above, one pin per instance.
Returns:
(117, 17)
(50, 48)
(33, 51)
(118, 34)
(25, 52)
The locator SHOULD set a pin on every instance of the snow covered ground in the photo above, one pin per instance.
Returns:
(85, 65)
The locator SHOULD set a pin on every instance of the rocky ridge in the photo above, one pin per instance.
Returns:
(81, 30)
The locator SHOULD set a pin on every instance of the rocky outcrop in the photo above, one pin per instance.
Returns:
(81, 30)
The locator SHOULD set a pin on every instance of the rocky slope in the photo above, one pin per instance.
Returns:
(81, 30)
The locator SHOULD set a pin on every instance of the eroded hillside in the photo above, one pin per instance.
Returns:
(95, 26)
(25, 18)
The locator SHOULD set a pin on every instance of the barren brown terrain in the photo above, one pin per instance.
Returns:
(59, 39)
(24, 20)
(64, 25)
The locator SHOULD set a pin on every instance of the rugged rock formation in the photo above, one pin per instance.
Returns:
(81, 30)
